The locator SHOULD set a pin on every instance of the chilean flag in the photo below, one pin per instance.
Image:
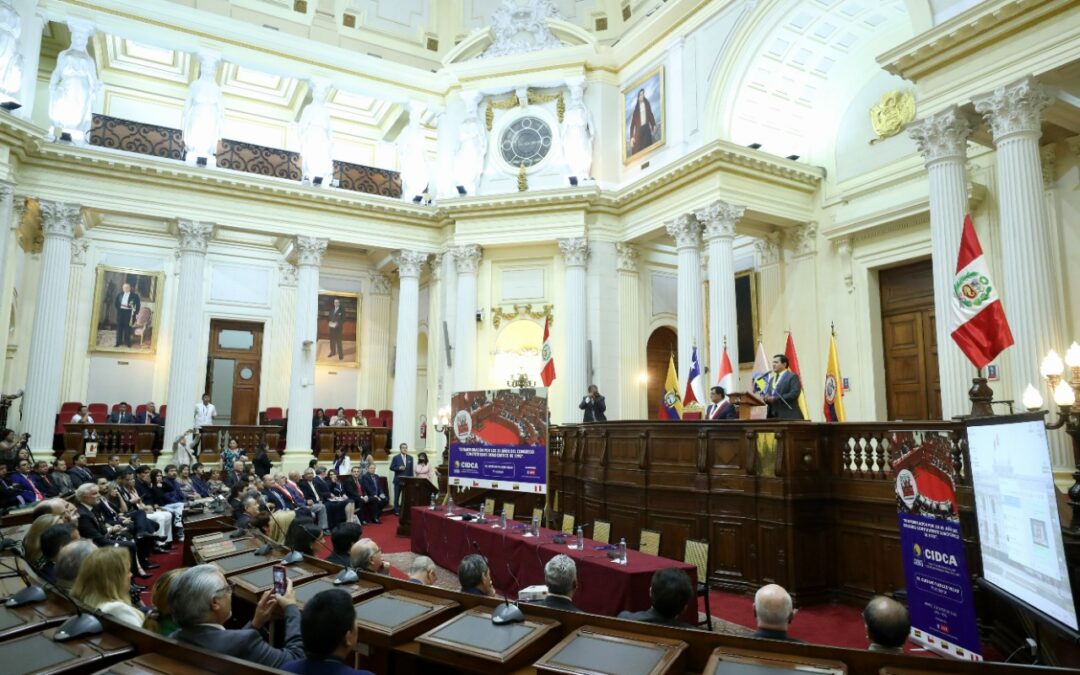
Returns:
(547, 375)
(977, 319)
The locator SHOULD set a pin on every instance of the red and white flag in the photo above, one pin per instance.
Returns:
(977, 320)
(547, 375)
(727, 375)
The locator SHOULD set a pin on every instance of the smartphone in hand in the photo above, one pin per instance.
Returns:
(279, 579)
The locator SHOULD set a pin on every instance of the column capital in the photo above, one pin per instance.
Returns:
(59, 219)
(410, 263)
(719, 219)
(194, 235)
(767, 250)
(79, 249)
(310, 250)
(467, 258)
(942, 136)
(575, 251)
(685, 230)
(1015, 108)
(627, 257)
(287, 273)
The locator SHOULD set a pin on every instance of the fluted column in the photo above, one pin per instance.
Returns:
(686, 230)
(1030, 296)
(575, 256)
(58, 223)
(73, 381)
(185, 370)
(309, 255)
(631, 338)
(467, 260)
(942, 140)
(719, 219)
(409, 263)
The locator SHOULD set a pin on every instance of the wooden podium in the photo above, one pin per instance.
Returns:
(747, 405)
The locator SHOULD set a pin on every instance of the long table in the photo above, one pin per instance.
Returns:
(517, 561)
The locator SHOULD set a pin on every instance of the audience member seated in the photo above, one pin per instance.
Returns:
(343, 537)
(669, 592)
(422, 571)
(887, 625)
(59, 477)
(366, 556)
(773, 611)
(201, 602)
(52, 540)
(24, 481)
(159, 620)
(79, 472)
(70, 562)
(32, 539)
(111, 471)
(328, 628)
(560, 575)
(375, 499)
(122, 415)
(104, 583)
(474, 575)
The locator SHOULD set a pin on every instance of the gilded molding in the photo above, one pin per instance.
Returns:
(410, 263)
(1015, 108)
(575, 251)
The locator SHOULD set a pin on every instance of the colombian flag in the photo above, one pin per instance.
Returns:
(671, 405)
(834, 387)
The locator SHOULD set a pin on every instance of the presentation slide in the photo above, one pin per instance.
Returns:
(1019, 529)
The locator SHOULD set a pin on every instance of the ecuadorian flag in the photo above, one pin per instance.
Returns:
(671, 405)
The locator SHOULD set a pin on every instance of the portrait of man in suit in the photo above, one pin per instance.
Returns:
(126, 310)
(338, 331)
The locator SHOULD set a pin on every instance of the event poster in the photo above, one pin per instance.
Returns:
(938, 583)
(498, 439)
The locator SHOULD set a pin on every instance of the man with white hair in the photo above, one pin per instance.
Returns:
(422, 571)
(773, 612)
(560, 575)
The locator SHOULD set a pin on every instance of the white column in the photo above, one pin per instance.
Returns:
(467, 260)
(309, 255)
(942, 140)
(186, 373)
(575, 256)
(719, 219)
(58, 224)
(631, 339)
(73, 380)
(409, 263)
(686, 231)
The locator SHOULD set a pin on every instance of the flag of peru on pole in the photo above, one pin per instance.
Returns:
(979, 326)
(547, 375)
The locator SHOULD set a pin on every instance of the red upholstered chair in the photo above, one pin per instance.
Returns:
(99, 411)
(387, 416)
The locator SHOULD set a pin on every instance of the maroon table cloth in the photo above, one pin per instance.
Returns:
(517, 561)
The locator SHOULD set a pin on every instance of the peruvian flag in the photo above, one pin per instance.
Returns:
(547, 375)
(978, 322)
(727, 375)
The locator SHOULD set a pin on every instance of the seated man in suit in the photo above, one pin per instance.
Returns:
(720, 407)
(328, 627)
(422, 571)
(343, 538)
(122, 415)
(773, 611)
(44, 483)
(201, 602)
(23, 481)
(560, 575)
(376, 498)
(149, 416)
(475, 576)
(669, 592)
(366, 556)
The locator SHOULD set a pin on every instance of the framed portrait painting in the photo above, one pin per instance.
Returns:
(643, 115)
(337, 337)
(127, 310)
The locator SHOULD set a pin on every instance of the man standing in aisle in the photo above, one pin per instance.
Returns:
(402, 467)
(205, 413)
(127, 305)
(782, 389)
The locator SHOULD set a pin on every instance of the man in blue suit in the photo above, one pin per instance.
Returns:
(402, 467)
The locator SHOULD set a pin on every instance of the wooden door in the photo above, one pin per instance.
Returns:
(233, 370)
(912, 382)
(661, 345)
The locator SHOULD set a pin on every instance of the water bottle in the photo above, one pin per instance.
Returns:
(450, 504)
(622, 551)
(580, 538)
(432, 507)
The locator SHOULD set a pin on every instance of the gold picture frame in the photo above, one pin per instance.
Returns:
(142, 316)
(650, 86)
(350, 330)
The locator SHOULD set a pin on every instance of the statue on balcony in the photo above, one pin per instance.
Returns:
(316, 140)
(577, 131)
(10, 58)
(472, 145)
(73, 87)
(413, 156)
(204, 113)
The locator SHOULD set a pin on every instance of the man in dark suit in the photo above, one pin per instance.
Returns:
(149, 416)
(112, 469)
(336, 322)
(594, 406)
(773, 611)
(122, 415)
(720, 408)
(376, 498)
(201, 602)
(79, 472)
(669, 592)
(402, 467)
(127, 305)
(560, 575)
(782, 389)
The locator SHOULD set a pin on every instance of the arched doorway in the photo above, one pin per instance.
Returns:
(663, 342)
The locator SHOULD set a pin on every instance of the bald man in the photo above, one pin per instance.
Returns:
(773, 611)
(887, 625)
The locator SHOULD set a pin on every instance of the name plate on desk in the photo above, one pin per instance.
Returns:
(397, 617)
(598, 650)
(471, 642)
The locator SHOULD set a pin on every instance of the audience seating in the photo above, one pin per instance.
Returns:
(650, 542)
(567, 524)
(697, 554)
(602, 531)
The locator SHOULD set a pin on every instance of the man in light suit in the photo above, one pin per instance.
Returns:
(782, 389)
(127, 305)
(201, 603)
(720, 408)
(122, 415)
(402, 467)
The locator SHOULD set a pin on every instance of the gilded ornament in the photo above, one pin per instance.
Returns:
(892, 113)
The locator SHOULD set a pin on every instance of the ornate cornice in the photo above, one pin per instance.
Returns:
(287, 273)
(1015, 108)
(719, 219)
(79, 249)
(410, 263)
(380, 284)
(685, 230)
(194, 235)
(59, 219)
(467, 258)
(310, 250)
(942, 136)
(627, 256)
(575, 251)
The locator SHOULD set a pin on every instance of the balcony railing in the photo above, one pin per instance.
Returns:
(159, 141)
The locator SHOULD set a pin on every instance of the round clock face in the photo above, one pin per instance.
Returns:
(525, 142)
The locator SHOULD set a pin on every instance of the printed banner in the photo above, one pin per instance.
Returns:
(938, 584)
(499, 439)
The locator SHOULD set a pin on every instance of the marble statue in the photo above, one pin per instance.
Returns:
(204, 113)
(472, 145)
(577, 131)
(316, 139)
(520, 26)
(73, 87)
(413, 156)
(10, 58)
